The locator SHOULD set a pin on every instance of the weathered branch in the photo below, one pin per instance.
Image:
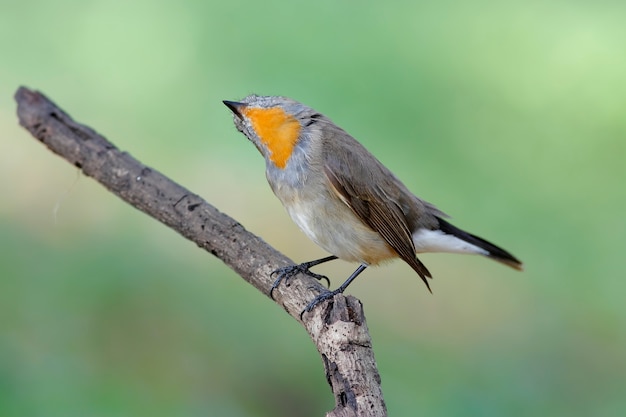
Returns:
(337, 328)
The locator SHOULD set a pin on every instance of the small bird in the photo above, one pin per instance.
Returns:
(342, 197)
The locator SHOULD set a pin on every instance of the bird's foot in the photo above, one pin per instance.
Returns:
(287, 272)
(326, 295)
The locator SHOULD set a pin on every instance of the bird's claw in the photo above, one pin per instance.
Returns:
(287, 272)
(322, 297)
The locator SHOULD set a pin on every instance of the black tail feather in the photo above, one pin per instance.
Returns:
(496, 253)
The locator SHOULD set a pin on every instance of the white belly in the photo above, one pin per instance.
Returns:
(333, 226)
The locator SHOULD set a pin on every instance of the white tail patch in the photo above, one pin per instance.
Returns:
(437, 241)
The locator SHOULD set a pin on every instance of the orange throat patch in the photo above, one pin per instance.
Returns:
(277, 130)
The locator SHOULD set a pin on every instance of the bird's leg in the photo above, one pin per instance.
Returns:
(287, 272)
(330, 294)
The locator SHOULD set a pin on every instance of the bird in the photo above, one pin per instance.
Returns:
(343, 198)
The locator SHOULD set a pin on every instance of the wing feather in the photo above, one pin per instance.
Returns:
(373, 207)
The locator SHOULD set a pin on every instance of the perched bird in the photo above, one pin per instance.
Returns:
(342, 197)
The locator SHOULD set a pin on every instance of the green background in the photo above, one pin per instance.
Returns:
(509, 116)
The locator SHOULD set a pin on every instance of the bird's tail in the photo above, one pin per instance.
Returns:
(494, 252)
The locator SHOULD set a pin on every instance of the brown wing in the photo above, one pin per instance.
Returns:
(372, 205)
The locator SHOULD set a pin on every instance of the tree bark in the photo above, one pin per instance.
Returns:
(337, 327)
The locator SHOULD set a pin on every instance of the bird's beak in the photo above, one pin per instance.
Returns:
(235, 107)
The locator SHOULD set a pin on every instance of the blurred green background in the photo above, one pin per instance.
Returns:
(510, 116)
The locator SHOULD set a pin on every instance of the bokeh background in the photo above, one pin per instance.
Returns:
(510, 116)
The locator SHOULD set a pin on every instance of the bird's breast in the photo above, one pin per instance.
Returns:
(331, 224)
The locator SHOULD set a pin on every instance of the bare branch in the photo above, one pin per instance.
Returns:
(337, 328)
